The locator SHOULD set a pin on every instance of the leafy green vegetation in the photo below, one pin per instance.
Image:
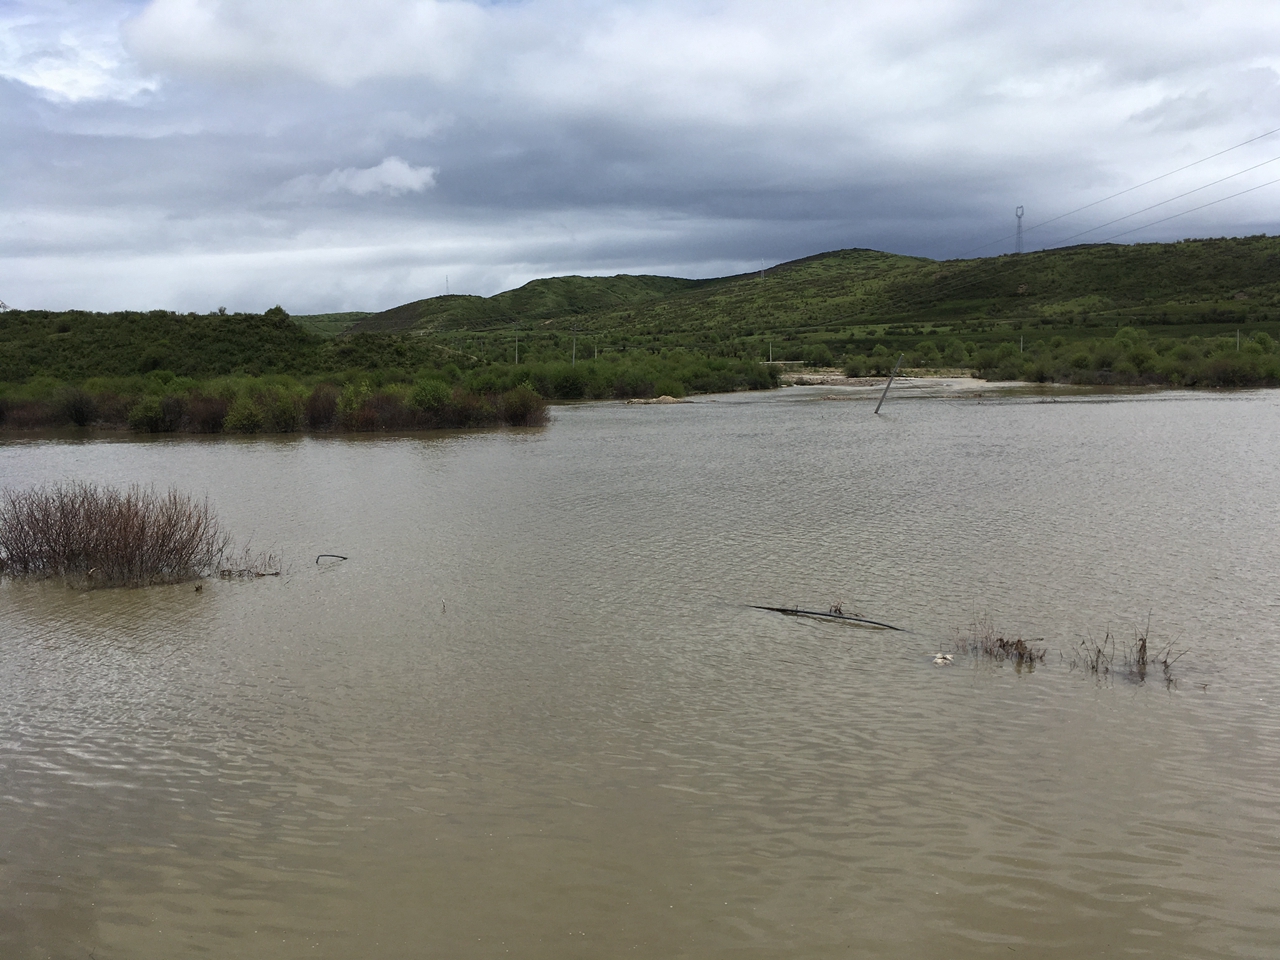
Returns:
(1194, 313)
(1134, 356)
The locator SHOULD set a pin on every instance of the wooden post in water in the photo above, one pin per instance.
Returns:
(889, 383)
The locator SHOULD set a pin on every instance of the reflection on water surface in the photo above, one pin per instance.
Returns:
(533, 712)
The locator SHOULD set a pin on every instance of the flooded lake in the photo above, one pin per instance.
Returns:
(534, 715)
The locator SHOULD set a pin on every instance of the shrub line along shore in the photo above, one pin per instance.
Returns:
(268, 405)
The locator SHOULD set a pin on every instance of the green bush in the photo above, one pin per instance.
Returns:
(281, 410)
(154, 414)
(243, 417)
(855, 366)
(430, 395)
(352, 399)
(818, 355)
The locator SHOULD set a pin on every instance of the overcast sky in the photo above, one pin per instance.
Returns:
(335, 154)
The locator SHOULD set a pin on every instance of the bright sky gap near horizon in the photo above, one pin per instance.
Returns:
(332, 155)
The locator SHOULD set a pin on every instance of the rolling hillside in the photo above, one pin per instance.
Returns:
(1049, 315)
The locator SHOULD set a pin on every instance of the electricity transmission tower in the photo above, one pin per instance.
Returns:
(1018, 214)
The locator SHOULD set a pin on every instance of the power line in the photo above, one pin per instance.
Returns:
(1170, 200)
(1192, 210)
(958, 283)
(1138, 186)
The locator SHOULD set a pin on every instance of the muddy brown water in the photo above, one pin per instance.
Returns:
(533, 716)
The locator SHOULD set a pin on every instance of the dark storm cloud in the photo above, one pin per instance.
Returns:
(330, 154)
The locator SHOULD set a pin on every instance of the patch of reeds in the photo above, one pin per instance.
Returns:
(984, 640)
(1094, 657)
(249, 565)
(100, 537)
(1141, 657)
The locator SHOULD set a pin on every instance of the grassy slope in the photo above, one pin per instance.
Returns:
(848, 303)
(329, 324)
(850, 300)
(1191, 282)
(552, 298)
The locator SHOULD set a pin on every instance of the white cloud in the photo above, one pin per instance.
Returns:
(336, 41)
(392, 176)
(746, 128)
(69, 53)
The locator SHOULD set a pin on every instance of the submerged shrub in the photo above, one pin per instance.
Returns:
(207, 414)
(102, 537)
(79, 407)
(522, 407)
(470, 410)
(322, 406)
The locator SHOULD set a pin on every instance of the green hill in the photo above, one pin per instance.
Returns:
(1193, 312)
(838, 299)
(852, 304)
(552, 298)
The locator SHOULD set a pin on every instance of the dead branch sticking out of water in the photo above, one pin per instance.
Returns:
(983, 639)
(101, 537)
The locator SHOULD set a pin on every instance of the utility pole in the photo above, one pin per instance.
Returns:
(446, 284)
(1018, 213)
(574, 362)
(889, 383)
(517, 348)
